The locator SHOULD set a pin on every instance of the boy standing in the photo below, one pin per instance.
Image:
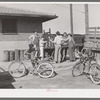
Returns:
(42, 42)
(57, 42)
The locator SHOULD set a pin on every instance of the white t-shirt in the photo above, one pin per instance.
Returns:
(32, 38)
(42, 43)
(58, 40)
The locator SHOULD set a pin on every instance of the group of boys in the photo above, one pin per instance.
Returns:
(37, 44)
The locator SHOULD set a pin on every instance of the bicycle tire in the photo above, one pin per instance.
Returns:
(52, 55)
(43, 68)
(95, 73)
(1, 70)
(77, 69)
(17, 69)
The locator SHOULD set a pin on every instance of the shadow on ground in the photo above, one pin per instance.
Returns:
(6, 80)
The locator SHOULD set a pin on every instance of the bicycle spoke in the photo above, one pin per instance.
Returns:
(78, 69)
(45, 70)
(95, 73)
(16, 69)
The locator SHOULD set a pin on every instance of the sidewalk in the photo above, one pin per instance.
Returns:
(64, 65)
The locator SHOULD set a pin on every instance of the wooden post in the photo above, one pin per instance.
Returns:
(50, 30)
(43, 31)
(86, 19)
(71, 18)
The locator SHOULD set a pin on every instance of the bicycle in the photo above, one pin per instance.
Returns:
(93, 68)
(42, 68)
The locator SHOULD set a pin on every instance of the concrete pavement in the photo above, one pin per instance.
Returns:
(63, 79)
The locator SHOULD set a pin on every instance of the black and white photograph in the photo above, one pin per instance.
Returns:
(49, 46)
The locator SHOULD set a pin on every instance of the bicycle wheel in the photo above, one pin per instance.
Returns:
(77, 69)
(45, 70)
(17, 69)
(52, 55)
(1, 69)
(95, 73)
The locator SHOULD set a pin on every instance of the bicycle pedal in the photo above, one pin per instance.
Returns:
(36, 74)
(31, 72)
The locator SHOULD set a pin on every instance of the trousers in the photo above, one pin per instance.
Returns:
(42, 52)
(57, 57)
(71, 54)
(63, 53)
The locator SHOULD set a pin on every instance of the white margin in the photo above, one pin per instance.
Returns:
(52, 93)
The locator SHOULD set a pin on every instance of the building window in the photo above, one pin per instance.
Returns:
(9, 26)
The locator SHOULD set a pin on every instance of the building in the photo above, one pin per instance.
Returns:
(16, 25)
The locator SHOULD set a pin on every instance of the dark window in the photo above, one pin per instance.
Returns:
(9, 26)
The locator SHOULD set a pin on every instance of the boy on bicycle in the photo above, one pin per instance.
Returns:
(34, 43)
(30, 51)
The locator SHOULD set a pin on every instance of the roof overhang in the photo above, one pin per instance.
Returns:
(39, 17)
(4, 11)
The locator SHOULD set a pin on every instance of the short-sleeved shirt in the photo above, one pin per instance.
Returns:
(41, 43)
(31, 38)
(58, 40)
(64, 41)
(71, 42)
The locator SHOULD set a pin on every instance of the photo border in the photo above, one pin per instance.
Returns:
(51, 93)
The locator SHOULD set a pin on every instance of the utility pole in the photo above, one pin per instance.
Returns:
(86, 19)
(71, 18)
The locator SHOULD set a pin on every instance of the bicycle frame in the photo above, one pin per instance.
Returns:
(85, 60)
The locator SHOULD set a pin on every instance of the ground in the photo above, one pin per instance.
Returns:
(63, 79)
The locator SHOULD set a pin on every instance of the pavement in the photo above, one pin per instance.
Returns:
(7, 81)
(62, 80)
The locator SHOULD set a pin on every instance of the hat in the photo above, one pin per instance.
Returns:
(57, 33)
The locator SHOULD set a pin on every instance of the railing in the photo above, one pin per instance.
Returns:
(93, 38)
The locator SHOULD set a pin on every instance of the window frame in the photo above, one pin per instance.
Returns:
(15, 29)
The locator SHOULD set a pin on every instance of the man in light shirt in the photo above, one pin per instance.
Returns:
(57, 42)
(32, 37)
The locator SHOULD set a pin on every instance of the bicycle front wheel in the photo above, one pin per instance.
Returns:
(1, 70)
(95, 73)
(17, 69)
(77, 69)
(45, 70)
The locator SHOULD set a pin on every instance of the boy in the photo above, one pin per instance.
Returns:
(42, 42)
